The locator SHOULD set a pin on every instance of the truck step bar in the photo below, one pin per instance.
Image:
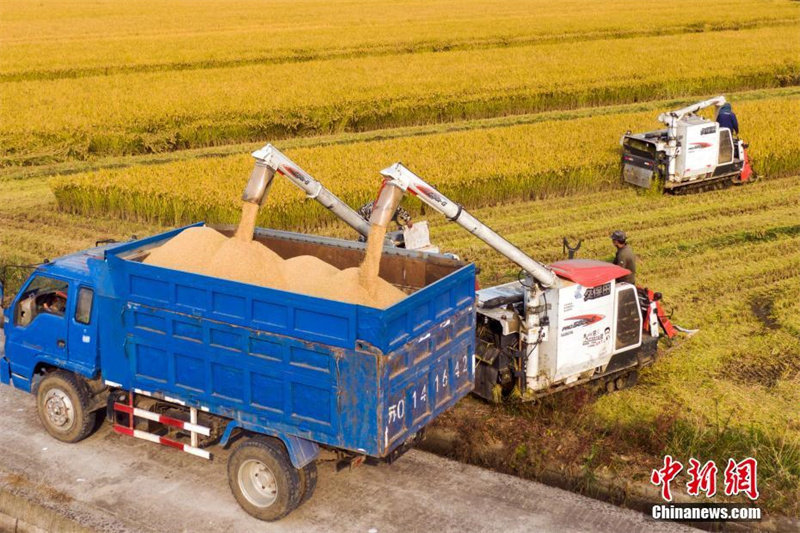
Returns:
(135, 412)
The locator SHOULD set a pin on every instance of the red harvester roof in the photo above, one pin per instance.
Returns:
(588, 272)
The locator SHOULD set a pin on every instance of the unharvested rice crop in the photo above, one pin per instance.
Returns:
(476, 167)
(74, 38)
(147, 112)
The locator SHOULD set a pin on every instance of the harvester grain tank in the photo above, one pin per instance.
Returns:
(692, 153)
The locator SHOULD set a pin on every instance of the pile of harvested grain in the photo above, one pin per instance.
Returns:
(345, 286)
(191, 250)
(248, 262)
(308, 274)
(240, 258)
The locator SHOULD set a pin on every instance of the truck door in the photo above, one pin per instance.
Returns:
(38, 329)
(82, 328)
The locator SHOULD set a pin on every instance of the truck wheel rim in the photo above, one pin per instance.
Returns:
(60, 411)
(257, 483)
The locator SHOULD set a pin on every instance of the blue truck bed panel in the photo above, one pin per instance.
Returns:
(343, 375)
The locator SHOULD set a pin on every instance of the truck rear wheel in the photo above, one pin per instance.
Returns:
(263, 480)
(63, 403)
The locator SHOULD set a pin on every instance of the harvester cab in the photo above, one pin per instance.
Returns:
(692, 153)
(558, 326)
(270, 160)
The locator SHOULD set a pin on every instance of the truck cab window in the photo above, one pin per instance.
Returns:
(83, 311)
(44, 295)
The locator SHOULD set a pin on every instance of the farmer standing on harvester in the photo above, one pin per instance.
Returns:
(726, 118)
(625, 257)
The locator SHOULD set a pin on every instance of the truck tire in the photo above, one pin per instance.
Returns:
(263, 480)
(63, 402)
(308, 482)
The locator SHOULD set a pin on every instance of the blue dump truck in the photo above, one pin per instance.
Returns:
(191, 361)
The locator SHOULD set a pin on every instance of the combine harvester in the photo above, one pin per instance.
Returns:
(557, 327)
(692, 154)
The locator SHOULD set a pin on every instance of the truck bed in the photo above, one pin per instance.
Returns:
(338, 374)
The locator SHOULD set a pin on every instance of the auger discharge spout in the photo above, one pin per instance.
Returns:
(401, 177)
(270, 160)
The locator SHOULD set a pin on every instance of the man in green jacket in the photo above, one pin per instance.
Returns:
(625, 257)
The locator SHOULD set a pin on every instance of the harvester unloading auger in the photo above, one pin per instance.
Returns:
(559, 326)
(691, 154)
(270, 160)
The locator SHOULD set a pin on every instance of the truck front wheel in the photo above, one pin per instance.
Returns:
(63, 407)
(263, 480)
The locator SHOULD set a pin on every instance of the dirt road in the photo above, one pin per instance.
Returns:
(114, 483)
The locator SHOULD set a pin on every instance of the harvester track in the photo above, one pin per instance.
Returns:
(714, 184)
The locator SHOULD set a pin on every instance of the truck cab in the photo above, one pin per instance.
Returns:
(51, 323)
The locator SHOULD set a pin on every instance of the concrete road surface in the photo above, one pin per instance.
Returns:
(114, 483)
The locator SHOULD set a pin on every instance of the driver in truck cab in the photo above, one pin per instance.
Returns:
(625, 257)
(726, 118)
(54, 303)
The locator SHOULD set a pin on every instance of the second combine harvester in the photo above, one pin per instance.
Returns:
(692, 153)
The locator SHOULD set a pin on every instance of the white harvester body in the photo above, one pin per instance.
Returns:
(586, 326)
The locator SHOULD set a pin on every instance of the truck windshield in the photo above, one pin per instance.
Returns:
(44, 295)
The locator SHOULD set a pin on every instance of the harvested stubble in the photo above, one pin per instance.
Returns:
(205, 251)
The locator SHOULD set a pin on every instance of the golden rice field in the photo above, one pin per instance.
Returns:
(514, 109)
(147, 112)
(476, 166)
(67, 38)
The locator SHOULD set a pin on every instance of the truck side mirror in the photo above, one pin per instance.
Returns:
(2, 316)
